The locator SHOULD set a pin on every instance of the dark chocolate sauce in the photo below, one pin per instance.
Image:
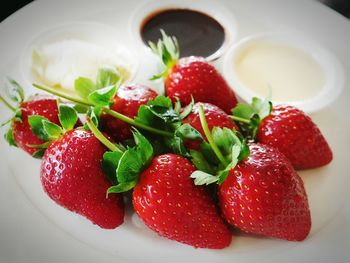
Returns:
(197, 33)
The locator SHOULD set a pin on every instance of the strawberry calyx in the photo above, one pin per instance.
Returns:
(167, 49)
(224, 149)
(249, 116)
(49, 131)
(15, 94)
(122, 166)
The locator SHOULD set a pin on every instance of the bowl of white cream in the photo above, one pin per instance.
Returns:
(60, 55)
(294, 69)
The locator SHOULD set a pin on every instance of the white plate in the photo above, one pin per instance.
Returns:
(34, 229)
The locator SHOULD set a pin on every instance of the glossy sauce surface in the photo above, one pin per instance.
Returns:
(197, 33)
(291, 73)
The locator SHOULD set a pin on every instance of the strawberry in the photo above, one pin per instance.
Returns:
(294, 134)
(286, 128)
(192, 76)
(169, 203)
(215, 116)
(72, 176)
(127, 101)
(264, 195)
(20, 133)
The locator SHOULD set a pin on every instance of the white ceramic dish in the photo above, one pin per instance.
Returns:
(34, 229)
(99, 34)
(331, 67)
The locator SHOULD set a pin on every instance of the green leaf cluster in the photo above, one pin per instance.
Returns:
(210, 169)
(49, 131)
(160, 113)
(123, 168)
(101, 92)
(255, 113)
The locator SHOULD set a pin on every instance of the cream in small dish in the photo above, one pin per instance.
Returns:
(297, 70)
(60, 55)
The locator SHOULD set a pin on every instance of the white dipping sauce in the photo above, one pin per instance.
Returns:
(291, 73)
(58, 64)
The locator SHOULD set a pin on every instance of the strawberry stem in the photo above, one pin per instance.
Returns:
(210, 137)
(113, 113)
(239, 119)
(101, 137)
(7, 104)
(63, 95)
(132, 122)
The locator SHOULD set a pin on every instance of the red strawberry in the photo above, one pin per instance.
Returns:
(192, 76)
(72, 176)
(264, 195)
(127, 101)
(22, 133)
(295, 135)
(215, 117)
(168, 202)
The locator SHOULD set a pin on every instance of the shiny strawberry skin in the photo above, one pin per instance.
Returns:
(169, 203)
(215, 117)
(195, 76)
(22, 133)
(72, 176)
(127, 101)
(294, 134)
(264, 195)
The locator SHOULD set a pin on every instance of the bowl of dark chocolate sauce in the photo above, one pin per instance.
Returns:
(198, 34)
(203, 28)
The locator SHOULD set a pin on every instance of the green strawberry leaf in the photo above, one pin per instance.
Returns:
(9, 137)
(177, 106)
(135, 159)
(103, 97)
(144, 147)
(168, 115)
(39, 146)
(245, 111)
(129, 166)
(167, 49)
(186, 131)
(79, 108)
(109, 164)
(222, 175)
(84, 86)
(161, 101)
(159, 113)
(200, 162)
(176, 144)
(122, 187)
(187, 110)
(37, 127)
(52, 130)
(202, 178)
(108, 77)
(254, 113)
(208, 153)
(262, 107)
(39, 154)
(15, 92)
(68, 117)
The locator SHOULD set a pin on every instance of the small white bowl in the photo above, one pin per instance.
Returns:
(102, 35)
(333, 70)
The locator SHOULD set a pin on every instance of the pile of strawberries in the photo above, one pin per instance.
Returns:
(196, 161)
